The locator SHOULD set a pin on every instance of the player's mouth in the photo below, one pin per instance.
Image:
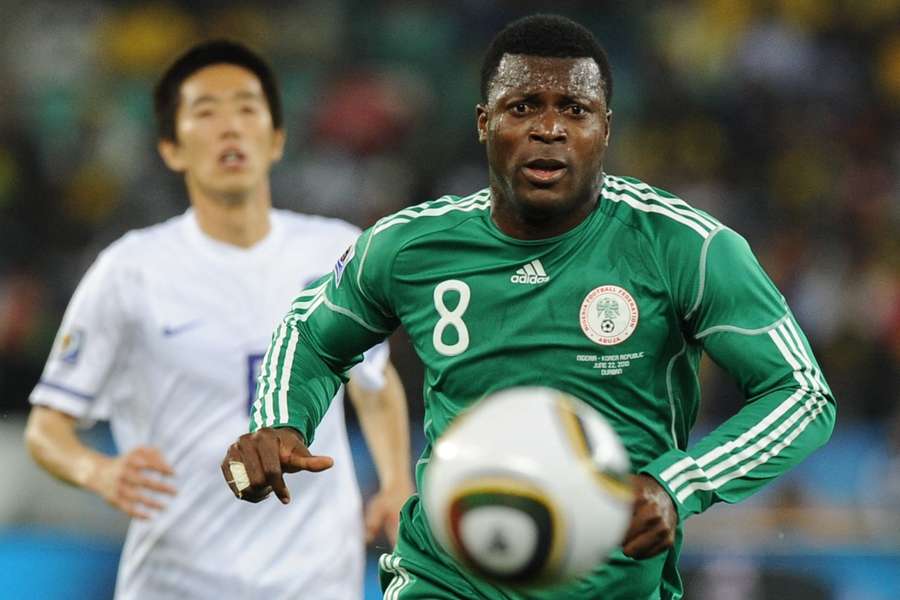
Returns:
(544, 172)
(232, 159)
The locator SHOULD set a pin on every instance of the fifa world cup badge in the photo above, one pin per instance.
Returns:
(70, 346)
(342, 262)
(609, 315)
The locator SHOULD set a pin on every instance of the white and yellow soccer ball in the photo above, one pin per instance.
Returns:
(529, 487)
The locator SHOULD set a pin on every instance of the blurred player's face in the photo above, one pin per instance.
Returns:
(546, 127)
(226, 142)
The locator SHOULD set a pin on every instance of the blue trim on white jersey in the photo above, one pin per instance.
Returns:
(70, 391)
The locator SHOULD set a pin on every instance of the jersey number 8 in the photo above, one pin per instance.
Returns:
(451, 318)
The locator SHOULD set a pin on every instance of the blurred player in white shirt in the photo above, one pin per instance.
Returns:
(164, 338)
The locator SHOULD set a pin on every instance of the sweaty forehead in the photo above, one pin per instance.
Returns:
(576, 77)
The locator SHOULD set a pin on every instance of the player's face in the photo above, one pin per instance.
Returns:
(546, 127)
(226, 142)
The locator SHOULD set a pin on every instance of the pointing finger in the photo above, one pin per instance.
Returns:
(308, 463)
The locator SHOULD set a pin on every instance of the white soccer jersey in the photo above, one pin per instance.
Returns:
(163, 338)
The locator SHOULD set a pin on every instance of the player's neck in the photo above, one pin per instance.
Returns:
(242, 222)
(515, 222)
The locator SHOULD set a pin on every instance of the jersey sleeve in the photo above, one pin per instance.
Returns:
(743, 323)
(77, 377)
(330, 324)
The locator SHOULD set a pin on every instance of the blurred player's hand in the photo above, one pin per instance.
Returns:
(653, 521)
(254, 466)
(383, 511)
(127, 481)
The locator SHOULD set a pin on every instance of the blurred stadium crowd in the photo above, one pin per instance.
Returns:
(780, 117)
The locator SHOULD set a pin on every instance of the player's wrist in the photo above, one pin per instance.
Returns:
(659, 469)
(396, 483)
(89, 472)
(292, 433)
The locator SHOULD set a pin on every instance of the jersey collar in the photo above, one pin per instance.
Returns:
(219, 250)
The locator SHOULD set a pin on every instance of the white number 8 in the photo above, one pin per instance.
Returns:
(451, 317)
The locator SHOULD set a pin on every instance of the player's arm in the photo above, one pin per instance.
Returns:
(74, 386)
(123, 481)
(382, 414)
(330, 325)
(743, 323)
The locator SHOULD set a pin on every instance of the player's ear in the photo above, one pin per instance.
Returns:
(170, 152)
(278, 140)
(608, 127)
(481, 122)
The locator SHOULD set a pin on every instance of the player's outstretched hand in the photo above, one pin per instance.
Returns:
(254, 466)
(653, 521)
(128, 481)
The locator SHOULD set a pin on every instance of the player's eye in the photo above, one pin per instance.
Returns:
(576, 110)
(248, 109)
(521, 108)
(204, 113)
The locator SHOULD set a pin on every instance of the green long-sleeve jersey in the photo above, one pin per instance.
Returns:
(616, 311)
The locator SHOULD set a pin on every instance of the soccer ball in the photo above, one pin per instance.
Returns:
(529, 488)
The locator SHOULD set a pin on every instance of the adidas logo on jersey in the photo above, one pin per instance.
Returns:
(532, 273)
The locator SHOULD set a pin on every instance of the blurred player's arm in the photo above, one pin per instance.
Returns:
(123, 481)
(744, 324)
(384, 421)
(74, 386)
(330, 325)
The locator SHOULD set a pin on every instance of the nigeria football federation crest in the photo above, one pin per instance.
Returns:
(609, 315)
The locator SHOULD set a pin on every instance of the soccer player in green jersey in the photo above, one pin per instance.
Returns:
(561, 275)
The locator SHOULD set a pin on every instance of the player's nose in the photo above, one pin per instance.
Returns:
(547, 128)
(230, 126)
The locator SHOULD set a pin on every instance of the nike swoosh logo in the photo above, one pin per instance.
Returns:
(175, 330)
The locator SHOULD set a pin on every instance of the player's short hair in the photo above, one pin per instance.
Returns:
(167, 93)
(550, 36)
